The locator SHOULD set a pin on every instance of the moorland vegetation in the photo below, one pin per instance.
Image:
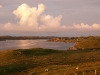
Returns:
(39, 61)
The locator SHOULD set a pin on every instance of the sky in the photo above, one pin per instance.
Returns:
(50, 18)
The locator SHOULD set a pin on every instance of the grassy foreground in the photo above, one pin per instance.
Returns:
(49, 62)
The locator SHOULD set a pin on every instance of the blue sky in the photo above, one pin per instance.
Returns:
(50, 18)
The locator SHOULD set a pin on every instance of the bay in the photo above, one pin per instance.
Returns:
(27, 44)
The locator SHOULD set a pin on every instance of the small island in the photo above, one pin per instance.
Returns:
(90, 42)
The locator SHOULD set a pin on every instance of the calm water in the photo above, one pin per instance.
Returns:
(26, 44)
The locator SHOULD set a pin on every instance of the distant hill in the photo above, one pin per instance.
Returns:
(90, 42)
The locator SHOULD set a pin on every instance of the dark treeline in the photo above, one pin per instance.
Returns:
(24, 37)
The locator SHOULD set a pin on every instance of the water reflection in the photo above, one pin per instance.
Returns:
(23, 43)
(26, 44)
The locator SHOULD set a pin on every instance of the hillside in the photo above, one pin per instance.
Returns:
(91, 42)
(49, 62)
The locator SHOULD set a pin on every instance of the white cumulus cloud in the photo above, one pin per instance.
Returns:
(86, 27)
(29, 16)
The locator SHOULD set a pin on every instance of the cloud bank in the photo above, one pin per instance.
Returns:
(33, 19)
